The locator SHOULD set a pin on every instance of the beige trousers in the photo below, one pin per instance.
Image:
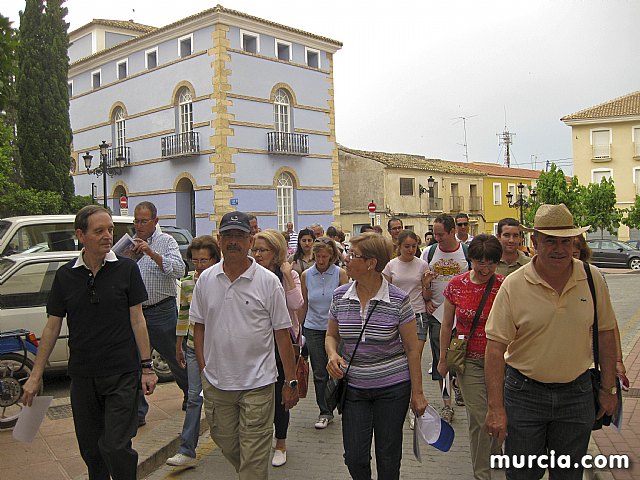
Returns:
(241, 424)
(474, 391)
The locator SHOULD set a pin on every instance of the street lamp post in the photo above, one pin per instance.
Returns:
(104, 168)
(521, 202)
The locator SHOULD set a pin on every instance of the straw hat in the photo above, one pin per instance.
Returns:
(557, 221)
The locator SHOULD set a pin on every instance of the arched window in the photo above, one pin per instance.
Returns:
(281, 111)
(185, 111)
(284, 200)
(120, 128)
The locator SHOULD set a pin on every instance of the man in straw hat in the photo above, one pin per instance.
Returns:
(540, 326)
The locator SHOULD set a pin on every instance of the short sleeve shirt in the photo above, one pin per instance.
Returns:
(408, 277)
(446, 265)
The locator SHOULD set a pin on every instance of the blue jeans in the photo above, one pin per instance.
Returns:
(161, 325)
(319, 360)
(191, 426)
(543, 417)
(380, 412)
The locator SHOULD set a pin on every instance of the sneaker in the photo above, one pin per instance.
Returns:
(322, 423)
(447, 413)
(458, 394)
(182, 460)
(412, 422)
(279, 458)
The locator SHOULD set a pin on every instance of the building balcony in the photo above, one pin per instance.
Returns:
(456, 203)
(180, 144)
(435, 204)
(601, 153)
(475, 204)
(284, 143)
(118, 152)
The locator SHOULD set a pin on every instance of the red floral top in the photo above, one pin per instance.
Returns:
(465, 296)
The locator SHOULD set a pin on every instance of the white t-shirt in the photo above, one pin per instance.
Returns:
(239, 320)
(408, 277)
(445, 265)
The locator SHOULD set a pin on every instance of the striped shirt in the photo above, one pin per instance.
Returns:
(380, 360)
(161, 282)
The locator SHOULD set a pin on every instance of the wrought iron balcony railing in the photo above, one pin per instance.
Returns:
(435, 204)
(180, 144)
(288, 143)
(475, 203)
(118, 152)
(456, 203)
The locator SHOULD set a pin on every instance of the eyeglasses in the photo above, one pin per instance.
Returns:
(463, 224)
(259, 251)
(93, 296)
(353, 256)
(141, 222)
(200, 261)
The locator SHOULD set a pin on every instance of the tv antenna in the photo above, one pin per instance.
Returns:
(464, 126)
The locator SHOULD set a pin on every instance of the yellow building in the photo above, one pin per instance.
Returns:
(606, 143)
(499, 181)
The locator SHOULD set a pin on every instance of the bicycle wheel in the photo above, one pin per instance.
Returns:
(12, 378)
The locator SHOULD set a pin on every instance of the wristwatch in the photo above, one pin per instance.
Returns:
(611, 391)
(291, 383)
(146, 364)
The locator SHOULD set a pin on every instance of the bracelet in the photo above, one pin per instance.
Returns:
(146, 364)
(148, 373)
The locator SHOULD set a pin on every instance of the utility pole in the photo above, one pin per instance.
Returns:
(465, 144)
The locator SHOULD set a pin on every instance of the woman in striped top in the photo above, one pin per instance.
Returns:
(385, 374)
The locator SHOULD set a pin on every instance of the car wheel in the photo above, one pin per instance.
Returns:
(634, 263)
(161, 367)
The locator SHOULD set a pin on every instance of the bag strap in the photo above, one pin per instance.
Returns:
(483, 301)
(360, 337)
(592, 289)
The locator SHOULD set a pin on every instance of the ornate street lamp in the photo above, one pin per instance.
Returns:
(104, 168)
(521, 202)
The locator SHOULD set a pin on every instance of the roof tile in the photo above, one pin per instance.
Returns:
(626, 105)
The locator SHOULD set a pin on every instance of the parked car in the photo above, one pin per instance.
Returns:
(612, 253)
(183, 237)
(634, 244)
(25, 282)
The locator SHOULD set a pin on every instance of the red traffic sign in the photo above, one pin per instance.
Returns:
(124, 202)
(372, 207)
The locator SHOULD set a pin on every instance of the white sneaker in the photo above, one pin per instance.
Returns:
(322, 423)
(182, 460)
(279, 458)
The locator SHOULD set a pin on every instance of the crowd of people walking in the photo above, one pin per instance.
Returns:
(362, 312)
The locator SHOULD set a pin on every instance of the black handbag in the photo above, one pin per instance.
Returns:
(595, 371)
(336, 390)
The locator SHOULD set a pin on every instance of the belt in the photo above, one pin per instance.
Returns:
(551, 386)
(164, 300)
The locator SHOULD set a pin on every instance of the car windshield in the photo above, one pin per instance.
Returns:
(5, 265)
(4, 226)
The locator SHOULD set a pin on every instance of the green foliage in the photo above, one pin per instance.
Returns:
(27, 201)
(633, 215)
(600, 207)
(44, 129)
(78, 202)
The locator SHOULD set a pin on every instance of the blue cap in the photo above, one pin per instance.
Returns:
(434, 431)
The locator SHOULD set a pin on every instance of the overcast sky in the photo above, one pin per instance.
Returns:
(409, 70)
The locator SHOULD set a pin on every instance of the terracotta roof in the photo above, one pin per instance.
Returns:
(626, 105)
(127, 25)
(496, 170)
(418, 162)
(217, 9)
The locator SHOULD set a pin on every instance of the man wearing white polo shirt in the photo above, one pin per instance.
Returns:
(238, 308)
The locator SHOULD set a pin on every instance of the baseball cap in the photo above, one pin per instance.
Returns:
(433, 430)
(235, 221)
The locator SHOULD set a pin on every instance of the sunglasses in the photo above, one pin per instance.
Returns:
(93, 295)
(463, 224)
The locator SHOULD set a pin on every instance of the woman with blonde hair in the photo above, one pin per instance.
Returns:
(318, 284)
(270, 251)
(384, 374)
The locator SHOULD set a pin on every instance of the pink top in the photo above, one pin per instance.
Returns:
(294, 303)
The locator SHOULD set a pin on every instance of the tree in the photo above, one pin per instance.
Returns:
(43, 126)
(600, 207)
(633, 215)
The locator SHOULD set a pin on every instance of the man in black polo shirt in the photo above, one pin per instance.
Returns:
(101, 296)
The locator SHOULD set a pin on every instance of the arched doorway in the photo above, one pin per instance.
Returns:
(118, 192)
(186, 205)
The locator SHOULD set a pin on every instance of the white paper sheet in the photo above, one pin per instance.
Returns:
(30, 419)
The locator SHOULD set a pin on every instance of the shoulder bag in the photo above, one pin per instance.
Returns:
(302, 367)
(457, 351)
(595, 371)
(336, 390)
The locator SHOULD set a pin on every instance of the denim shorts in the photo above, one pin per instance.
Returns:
(422, 326)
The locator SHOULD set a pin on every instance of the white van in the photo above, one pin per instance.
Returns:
(48, 233)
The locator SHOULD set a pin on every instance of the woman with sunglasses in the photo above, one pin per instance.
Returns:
(384, 373)
(318, 284)
(270, 251)
(303, 257)
(203, 252)
(462, 299)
